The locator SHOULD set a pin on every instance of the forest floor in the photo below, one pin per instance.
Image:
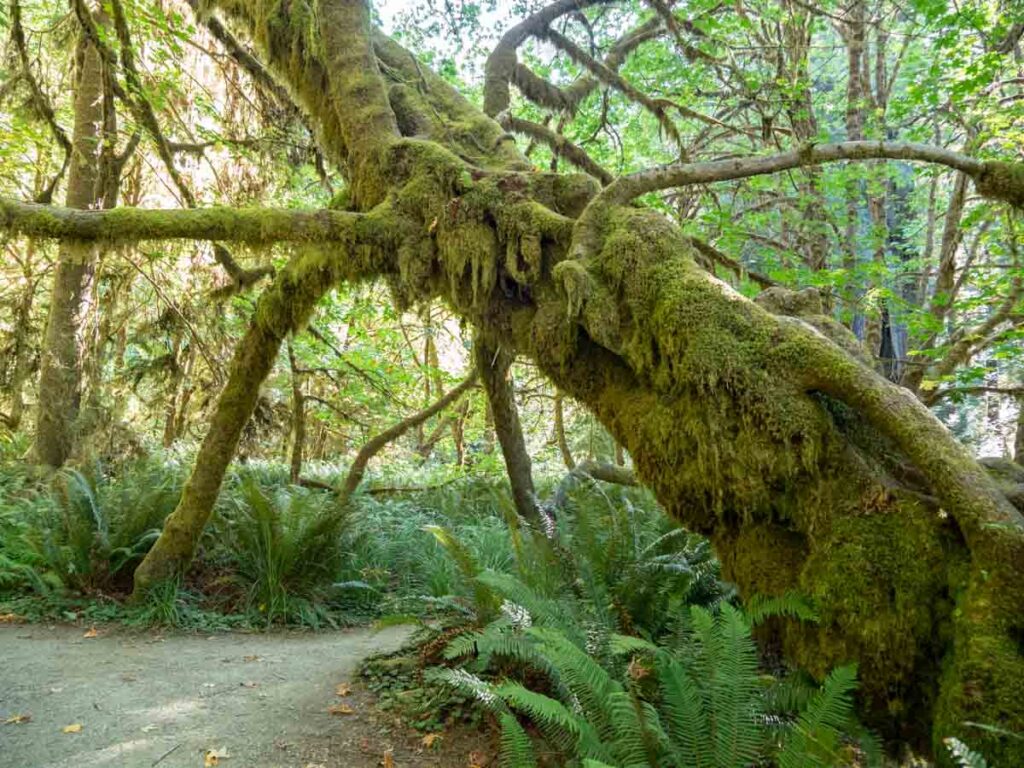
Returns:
(78, 698)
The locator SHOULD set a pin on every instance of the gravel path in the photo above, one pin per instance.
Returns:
(145, 699)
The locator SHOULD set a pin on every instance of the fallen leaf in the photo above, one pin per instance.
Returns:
(478, 759)
(341, 709)
(254, 657)
(91, 633)
(17, 719)
(342, 689)
(389, 759)
(213, 757)
(249, 684)
(432, 227)
(430, 739)
(8, 618)
(73, 728)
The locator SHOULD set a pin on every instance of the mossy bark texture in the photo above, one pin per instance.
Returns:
(60, 377)
(755, 425)
(495, 365)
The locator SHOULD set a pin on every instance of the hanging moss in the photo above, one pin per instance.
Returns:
(1002, 181)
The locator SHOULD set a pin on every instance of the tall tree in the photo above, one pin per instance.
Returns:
(60, 380)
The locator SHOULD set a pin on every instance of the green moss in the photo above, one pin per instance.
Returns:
(1002, 181)
(983, 681)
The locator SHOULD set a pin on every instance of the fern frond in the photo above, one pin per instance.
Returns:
(516, 747)
(687, 719)
(792, 605)
(963, 755)
(813, 739)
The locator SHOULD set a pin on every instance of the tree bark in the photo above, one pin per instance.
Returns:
(60, 378)
(495, 365)
(298, 417)
(560, 436)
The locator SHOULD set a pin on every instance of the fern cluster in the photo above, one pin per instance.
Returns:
(83, 530)
(286, 549)
(700, 702)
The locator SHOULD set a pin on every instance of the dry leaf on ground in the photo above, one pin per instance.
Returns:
(340, 709)
(91, 633)
(389, 759)
(213, 757)
(7, 618)
(431, 739)
(17, 719)
(342, 689)
(254, 657)
(73, 728)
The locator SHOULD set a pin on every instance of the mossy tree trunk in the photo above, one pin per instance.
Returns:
(60, 379)
(298, 417)
(495, 365)
(759, 425)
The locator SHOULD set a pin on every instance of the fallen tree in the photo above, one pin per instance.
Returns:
(756, 424)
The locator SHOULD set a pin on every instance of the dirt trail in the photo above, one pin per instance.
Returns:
(164, 699)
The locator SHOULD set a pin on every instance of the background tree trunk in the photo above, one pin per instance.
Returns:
(60, 378)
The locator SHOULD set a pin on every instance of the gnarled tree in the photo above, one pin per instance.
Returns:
(758, 424)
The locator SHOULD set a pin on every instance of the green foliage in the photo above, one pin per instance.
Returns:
(286, 549)
(699, 702)
(84, 531)
(964, 756)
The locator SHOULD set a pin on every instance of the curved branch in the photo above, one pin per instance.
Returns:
(502, 62)
(376, 444)
(994, 179)
(567, 99)
(972, 497)
(613, 79)
(558, 144)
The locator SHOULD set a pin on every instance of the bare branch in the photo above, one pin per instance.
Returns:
(39, 101)
(376, 444)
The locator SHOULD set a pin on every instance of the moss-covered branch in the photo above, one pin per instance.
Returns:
(281, 310)
(357, 94)
(993, 179)
(256, 226)
(502, 62)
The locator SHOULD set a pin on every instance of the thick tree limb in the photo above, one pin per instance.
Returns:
(257, 226)
(494, 363)
(357, 93)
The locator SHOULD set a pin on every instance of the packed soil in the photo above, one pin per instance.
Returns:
(74, 697)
